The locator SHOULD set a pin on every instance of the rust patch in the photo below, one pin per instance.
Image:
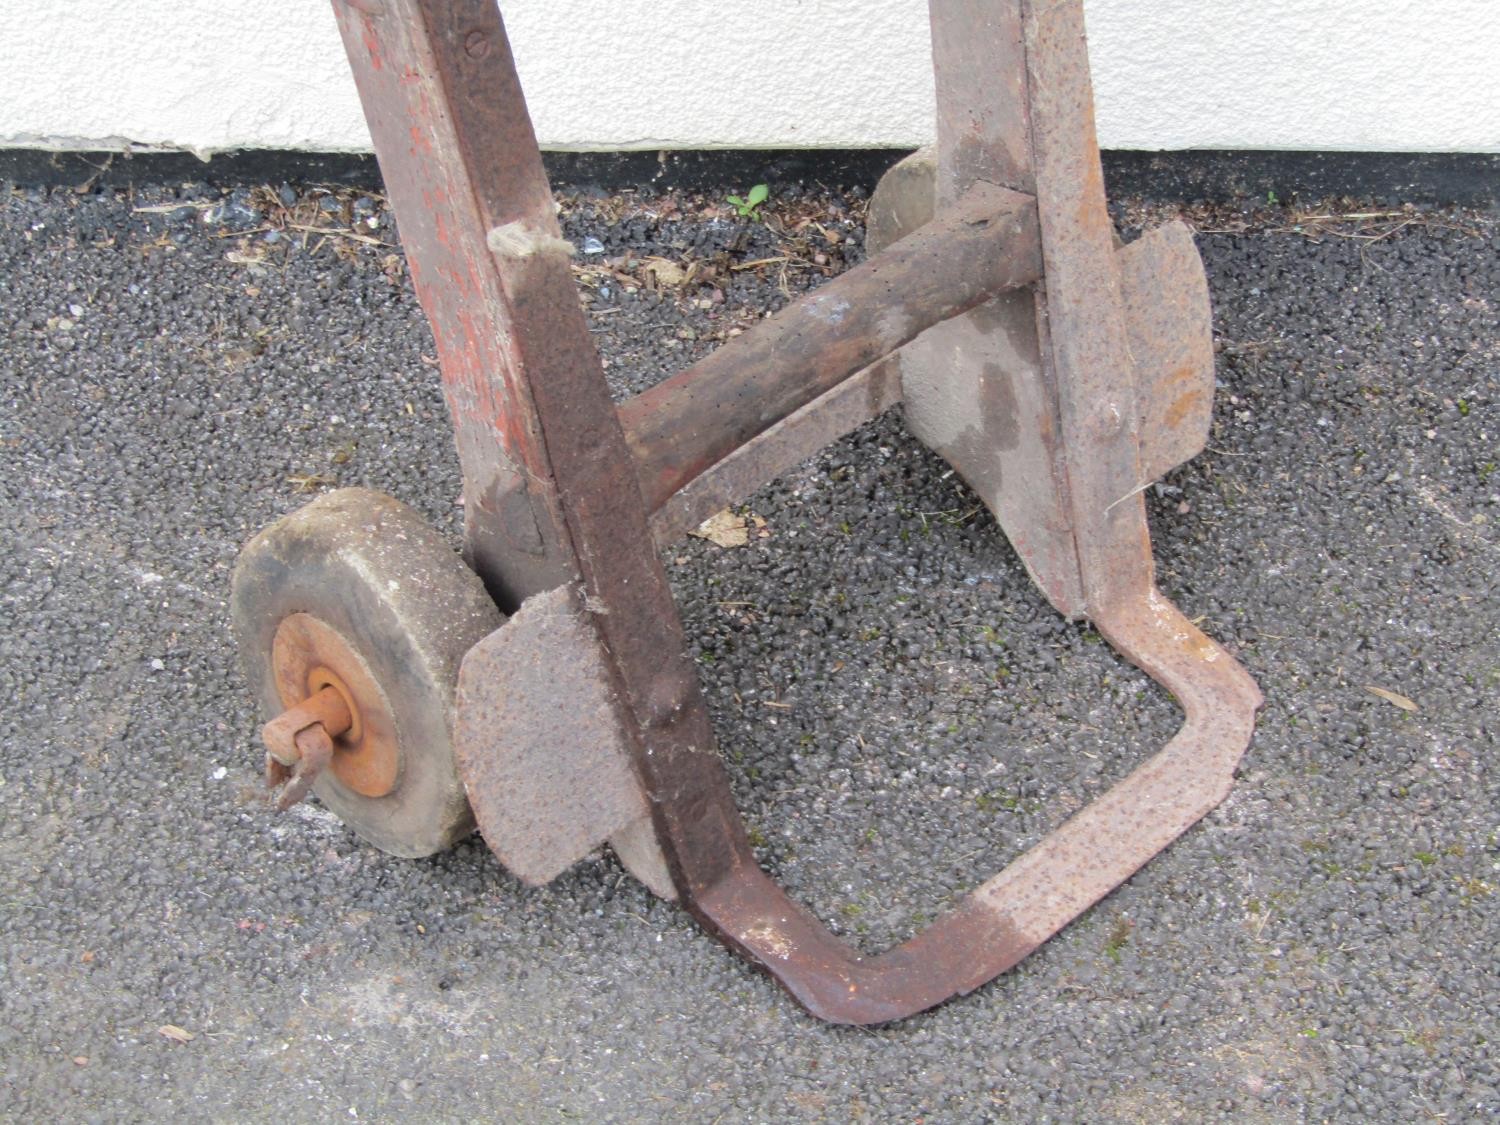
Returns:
(1186, 405)
(308, 655)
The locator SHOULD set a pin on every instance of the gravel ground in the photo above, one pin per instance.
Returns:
(1319, 948)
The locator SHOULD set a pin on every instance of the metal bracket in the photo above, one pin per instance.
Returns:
(539, 746)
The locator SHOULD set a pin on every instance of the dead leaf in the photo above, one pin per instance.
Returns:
(1392, 697)
(665, 273)
(176, 1034)
(308, 482)
(725, 530)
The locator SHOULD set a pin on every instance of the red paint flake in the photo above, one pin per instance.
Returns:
(372, 44)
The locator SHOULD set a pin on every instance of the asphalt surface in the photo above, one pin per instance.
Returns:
(900, 711)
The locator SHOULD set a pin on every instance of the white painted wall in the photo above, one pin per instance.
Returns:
(1416, 75)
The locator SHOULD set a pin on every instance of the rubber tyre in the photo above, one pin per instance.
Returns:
(372, 569)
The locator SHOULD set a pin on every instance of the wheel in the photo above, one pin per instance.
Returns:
(355, 592)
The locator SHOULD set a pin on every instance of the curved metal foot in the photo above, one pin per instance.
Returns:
(1008, 916)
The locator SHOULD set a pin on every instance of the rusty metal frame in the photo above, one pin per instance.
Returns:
(565, 490)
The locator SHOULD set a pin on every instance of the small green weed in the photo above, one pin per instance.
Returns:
(749, 207)
(1119, 937)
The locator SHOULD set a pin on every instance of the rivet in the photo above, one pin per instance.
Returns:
(476, 44)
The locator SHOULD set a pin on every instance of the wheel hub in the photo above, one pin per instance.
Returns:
(325, 684)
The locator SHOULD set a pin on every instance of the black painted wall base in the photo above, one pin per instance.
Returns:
(1192, 175)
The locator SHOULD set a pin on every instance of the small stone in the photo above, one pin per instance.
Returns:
(232, 212)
